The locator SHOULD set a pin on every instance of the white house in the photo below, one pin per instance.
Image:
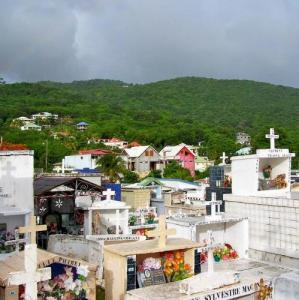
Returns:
(243, 138)
(31, 126)
(82, 126)
(16, 189)
(115, 142)
(24, 120)
(44, 115)
(79, 162)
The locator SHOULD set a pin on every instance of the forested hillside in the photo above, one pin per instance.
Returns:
(167, 112)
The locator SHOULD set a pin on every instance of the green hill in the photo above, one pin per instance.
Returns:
(166, 112)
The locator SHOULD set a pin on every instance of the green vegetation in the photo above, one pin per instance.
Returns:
(167, 112)
(112, 166)
(174, 170)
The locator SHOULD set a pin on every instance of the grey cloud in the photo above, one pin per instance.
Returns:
(143, 40)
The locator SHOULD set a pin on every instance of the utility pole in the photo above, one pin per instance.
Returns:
(46, 159)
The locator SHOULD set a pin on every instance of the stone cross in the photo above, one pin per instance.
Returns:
(32, 229)
(223, 157)
(162, 232)
(31, 276)
(272, 137)
(108, 194)
(17, 241)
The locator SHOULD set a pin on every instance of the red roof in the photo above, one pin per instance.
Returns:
(98, 152)
(10, 147)
(114, 139)
(134, 144)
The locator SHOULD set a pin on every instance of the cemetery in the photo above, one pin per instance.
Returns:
(193, 251)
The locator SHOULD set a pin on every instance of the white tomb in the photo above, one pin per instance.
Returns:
(266, 173)
(272, 211)
(225, 229)
(16, 189)
(106, 217)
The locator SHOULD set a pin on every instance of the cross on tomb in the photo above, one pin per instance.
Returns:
(162, 232)
(8, 168)
(223, 157)
(17, 241)
(32, 228)
(31, 276)
(272, 137)
(108, 194)
(215, 204)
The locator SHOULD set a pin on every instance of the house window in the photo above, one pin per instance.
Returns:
(149, 153)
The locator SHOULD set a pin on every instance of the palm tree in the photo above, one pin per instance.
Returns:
(112, 166)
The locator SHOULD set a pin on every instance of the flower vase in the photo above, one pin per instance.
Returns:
(68, 296)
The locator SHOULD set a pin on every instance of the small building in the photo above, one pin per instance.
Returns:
(141, 159)
(136, 197)
(202, 163)
(82, 126)
(115, 143)
(44, 116)
(243, 138)
(180, 153)
(79, 162)
(23, 120)
(244, 151)
(30, 126)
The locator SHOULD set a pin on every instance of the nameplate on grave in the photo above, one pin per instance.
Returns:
(150, 277)
(3, 194)
(114, 237)
(273, 153)
(231, 292)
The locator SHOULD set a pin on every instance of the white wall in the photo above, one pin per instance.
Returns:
(244, 176)
(16, 179)
(79, 161)
(273, 224)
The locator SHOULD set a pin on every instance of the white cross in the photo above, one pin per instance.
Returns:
(162, 232)
(272, 137)
(32, 228)
(108, 194)
(214, 204)
(223, 157)
(31, 276)
(17, 241)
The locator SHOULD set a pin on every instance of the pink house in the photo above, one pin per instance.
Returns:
(180, 153)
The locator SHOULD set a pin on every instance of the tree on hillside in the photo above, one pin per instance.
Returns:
(130, 177)
(112, 166)
(174, 170)
(2, 81)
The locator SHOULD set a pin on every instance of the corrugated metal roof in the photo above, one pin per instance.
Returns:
(169, 152)
(44, 183)
(135, 151)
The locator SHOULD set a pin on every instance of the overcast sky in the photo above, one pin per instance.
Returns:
(149, 40)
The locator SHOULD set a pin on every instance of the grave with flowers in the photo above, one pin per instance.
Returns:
(143, 220)
(38, 274)
(128, 266)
